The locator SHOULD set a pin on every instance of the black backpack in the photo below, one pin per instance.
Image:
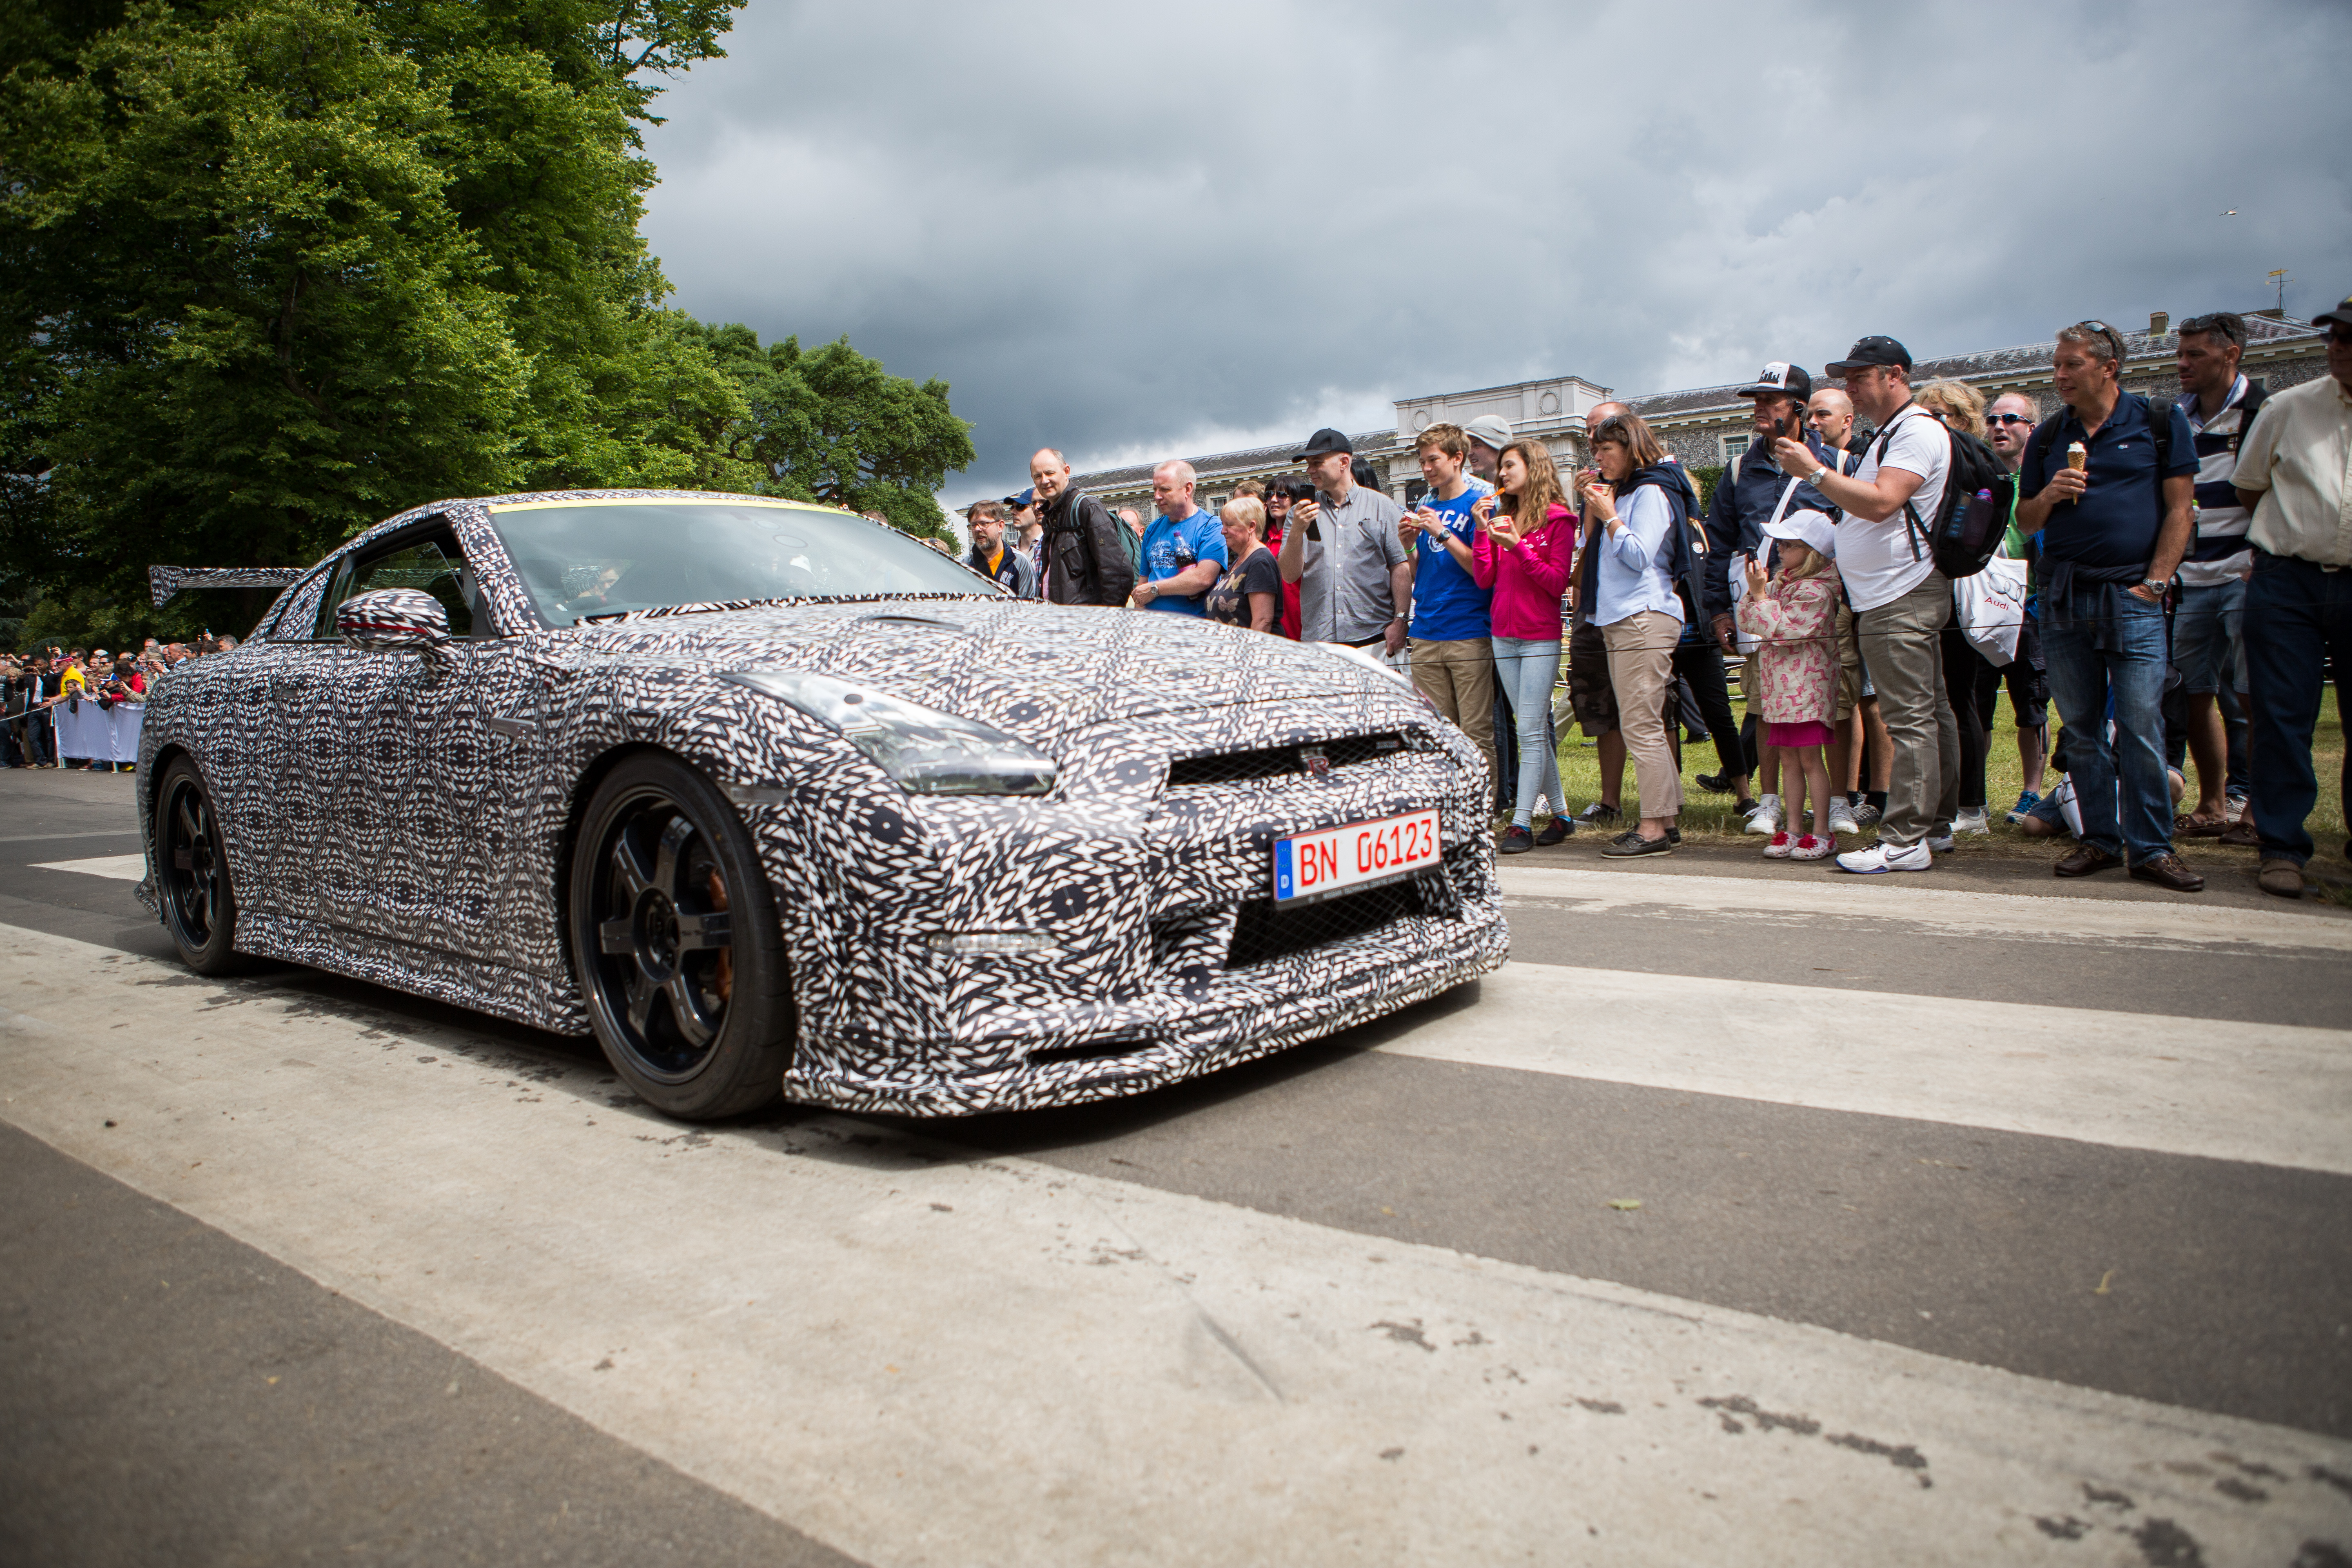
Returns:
(1973, 516)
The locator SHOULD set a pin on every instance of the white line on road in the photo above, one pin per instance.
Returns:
(121, 867)
(922, 1357)
(2025, 916)
(2270, 1093)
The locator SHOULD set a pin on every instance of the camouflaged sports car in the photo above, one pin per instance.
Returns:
(777, 801)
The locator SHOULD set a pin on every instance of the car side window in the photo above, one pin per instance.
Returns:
(324, 631)
(432, 564)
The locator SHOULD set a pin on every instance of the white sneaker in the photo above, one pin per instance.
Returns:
(1765, 818)
(1941, 843)
(1972, 821)
(1885, 857)
(1842, 816)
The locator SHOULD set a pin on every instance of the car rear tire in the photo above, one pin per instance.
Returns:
(675, 944)
(191, 879)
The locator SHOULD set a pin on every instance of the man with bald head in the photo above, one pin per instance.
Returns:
(1830, 413)
(1183, 547)
(1083, 561)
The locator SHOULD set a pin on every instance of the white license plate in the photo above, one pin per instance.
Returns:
(1317, 865)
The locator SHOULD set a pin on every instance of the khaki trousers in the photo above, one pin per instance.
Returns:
(1459, 677)
(1641, 665)
(1904, 645)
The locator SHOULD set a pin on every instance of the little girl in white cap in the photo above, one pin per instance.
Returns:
(1794, 615)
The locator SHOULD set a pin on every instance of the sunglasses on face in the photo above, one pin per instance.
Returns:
(2008, 419)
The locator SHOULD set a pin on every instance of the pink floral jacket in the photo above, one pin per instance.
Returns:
(1797, 623)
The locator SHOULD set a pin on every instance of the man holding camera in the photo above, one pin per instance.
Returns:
(1341, 548)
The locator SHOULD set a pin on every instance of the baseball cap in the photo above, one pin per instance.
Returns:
(2341, 316)
(1490, 428)
(1322, 444)
(1026, 498)
(1781, 378)
(1812, 529)
(1867, 351)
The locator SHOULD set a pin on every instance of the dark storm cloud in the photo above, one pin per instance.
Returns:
(1141, 231)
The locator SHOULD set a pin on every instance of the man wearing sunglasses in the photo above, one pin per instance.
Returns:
(2295, 475)
(2113, 532)
(2007, 424)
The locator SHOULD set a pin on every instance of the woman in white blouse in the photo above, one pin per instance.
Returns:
(1629, 519)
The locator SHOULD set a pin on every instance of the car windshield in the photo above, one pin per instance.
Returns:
(584, 559)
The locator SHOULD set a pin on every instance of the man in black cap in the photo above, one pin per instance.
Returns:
(1083, 561)
(1900, 601)
(1355, 580)
(1746, 498)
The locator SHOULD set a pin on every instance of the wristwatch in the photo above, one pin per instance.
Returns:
(2156, 585)
(1814, 479)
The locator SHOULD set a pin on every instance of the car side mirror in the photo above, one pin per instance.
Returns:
(395, 620)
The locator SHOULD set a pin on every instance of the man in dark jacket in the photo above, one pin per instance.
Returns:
(1745, 499)
(992, 557)
(1084, 562)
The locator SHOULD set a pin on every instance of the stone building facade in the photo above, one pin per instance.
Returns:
(1706, 426)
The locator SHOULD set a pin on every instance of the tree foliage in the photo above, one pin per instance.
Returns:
(274, 269)
(834, 427)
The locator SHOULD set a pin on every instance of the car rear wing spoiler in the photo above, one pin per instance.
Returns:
(163, 581)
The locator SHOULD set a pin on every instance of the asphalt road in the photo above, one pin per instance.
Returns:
(1943, 1218)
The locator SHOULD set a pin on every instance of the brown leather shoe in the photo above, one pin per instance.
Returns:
(2240, 834)
(2168, 870)
(2084, 859)
(2191, 826)
(2284, 878)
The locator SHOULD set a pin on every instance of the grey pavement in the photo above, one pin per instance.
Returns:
(150, 1429)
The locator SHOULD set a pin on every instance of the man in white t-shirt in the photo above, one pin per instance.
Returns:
(1900, 601)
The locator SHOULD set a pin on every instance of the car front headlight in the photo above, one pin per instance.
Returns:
(924, 751)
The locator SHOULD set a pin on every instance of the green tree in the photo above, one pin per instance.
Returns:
(275, 269)
(835, 426)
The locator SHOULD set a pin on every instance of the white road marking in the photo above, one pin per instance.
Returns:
(1830, 897)
(121, 867)
(926, 1358)
(2270, 1093)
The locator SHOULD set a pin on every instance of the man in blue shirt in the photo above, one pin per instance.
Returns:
(2111, 496)
(1184, 548)
(1451, 643)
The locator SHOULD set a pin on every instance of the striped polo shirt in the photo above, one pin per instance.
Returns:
(2221, 554)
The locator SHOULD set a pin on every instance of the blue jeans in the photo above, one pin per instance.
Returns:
(2296, 615)
(2081, 679)
(1527, 671)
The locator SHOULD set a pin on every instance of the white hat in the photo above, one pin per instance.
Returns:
(1492, 428)
(1812, 529)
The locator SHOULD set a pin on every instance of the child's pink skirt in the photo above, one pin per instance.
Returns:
(1811, 732)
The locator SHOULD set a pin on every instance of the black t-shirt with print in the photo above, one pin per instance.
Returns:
(1229, 599)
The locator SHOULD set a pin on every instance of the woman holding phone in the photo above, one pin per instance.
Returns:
(1628, 519)
(1526, 545)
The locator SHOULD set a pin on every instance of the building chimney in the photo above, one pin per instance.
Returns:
(2158, 323)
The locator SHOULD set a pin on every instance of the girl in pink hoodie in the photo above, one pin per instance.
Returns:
(1527, 544)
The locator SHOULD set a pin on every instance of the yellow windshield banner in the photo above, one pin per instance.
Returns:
(666, 501)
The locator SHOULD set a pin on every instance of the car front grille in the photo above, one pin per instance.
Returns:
(1267, 931)
(1279, 762)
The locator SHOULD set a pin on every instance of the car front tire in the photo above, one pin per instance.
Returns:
(676, 945)
(191, 879)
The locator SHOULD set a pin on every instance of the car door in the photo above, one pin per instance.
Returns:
(428, 789)
(274, 776)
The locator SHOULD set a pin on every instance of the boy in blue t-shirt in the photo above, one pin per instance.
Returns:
(1451, 645)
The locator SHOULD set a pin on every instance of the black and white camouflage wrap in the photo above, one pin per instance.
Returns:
(409, 824)
(165, 582)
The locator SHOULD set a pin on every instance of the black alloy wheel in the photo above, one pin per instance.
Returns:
(191, 879)
(676, 945)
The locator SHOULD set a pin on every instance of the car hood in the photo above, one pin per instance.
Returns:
(1035, 670)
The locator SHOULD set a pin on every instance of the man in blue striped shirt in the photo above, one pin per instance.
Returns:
(2207, 638)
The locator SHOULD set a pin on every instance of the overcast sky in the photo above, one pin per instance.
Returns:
(1157, 230)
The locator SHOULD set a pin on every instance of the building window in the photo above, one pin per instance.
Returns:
(1732, 446)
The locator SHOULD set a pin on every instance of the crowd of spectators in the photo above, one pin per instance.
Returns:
(2174, 578)
(36, 681)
